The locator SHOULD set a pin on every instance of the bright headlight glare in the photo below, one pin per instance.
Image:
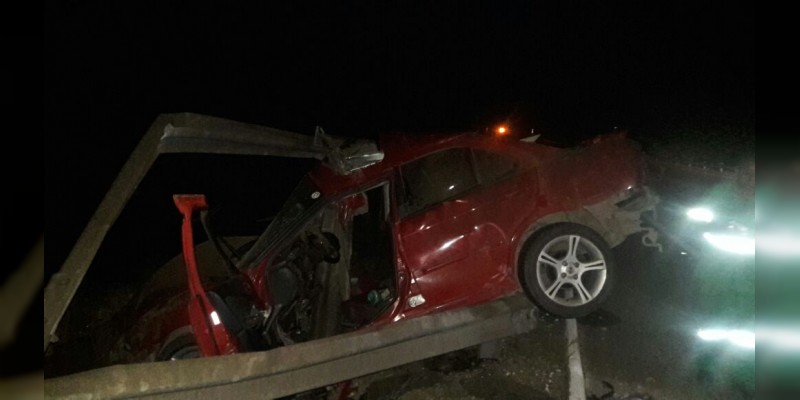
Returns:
(701, 214)
(742, 338)
(712, 335)
(787, 339)
(777, 243)
(732, 243)
(737, 337)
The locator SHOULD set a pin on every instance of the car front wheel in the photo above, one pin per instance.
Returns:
(567, 269)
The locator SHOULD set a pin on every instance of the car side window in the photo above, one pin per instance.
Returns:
(493, 167)
(435, 178)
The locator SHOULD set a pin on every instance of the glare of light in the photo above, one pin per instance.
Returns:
(738, 337)
(501, 130)
(701, 214)
(732, 243)
(742, 338)
(446, 245)
(215, 318)
(777, 243)
(712, 335)
(451, 187)
(783, 338)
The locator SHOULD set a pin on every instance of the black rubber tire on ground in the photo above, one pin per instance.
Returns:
(180, 348)
(534, 274)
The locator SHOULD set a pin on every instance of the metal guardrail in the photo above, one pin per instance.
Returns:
(169, 133)
(297, 368)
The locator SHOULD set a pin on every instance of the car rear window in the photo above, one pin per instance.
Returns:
(435, 178)
(493, 167)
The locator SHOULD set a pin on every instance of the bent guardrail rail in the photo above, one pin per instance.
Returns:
(297, 368)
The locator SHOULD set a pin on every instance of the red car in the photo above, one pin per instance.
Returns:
(428, 223)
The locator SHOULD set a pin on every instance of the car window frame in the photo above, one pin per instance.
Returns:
(400, 186)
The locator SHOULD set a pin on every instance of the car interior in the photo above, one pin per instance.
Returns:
(336, 275)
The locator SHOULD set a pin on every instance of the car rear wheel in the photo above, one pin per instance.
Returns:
(182, 347)
(567, 269)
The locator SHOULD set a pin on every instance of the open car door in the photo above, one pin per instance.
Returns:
(190, 133)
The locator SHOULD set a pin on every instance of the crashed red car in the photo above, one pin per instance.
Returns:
(425, 224)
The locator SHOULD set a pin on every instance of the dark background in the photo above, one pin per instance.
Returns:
(667, 72)
(679, 77)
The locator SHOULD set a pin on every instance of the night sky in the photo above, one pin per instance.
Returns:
(667, 72)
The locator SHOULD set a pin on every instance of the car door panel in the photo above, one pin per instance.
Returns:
(436, 237)
(457, 249)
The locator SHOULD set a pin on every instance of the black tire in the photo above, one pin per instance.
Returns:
(567, 285)
(182, 347)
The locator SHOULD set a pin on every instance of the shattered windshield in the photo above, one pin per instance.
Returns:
(303, 199)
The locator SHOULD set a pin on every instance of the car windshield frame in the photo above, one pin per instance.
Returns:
(304, 200)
